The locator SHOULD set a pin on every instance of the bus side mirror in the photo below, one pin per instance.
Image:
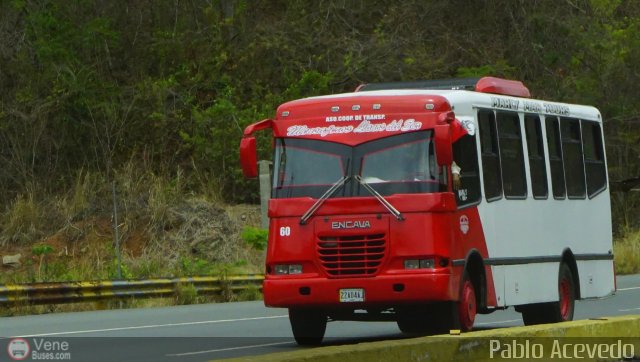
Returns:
(248, 153)
(249, 157)
(444, 153)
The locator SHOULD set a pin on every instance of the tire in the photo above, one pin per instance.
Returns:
(560, 311)
(414, 320)
(308, 326)
(467, 305)
(441, 317)
(425, 319)
(410, 326)
(532, 314)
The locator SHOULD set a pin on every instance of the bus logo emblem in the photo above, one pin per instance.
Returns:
(464, 224)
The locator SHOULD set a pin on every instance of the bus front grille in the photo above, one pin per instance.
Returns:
(351, 256)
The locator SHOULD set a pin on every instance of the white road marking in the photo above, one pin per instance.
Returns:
(149, 326)
(227, 349)
(628, 310)
(499, 322)
(623, 289)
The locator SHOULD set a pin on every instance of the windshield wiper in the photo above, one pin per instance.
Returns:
(322, 199)
(380, 198)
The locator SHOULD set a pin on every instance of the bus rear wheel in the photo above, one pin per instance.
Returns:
(308, 326)
(560, 311)
(563, 309)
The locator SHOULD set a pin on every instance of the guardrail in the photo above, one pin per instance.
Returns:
(74, 292)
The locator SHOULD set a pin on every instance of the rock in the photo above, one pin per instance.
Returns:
(11, 260)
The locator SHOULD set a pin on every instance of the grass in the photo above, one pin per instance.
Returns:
(626, 252)
(23, 221)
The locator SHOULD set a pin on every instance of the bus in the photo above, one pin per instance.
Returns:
(426, 203)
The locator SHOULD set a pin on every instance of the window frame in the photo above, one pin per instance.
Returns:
(536, 121)
(460, 147)
(599, 151)
(554, 121)
(494, 153)
(518, 160)
(568, 144)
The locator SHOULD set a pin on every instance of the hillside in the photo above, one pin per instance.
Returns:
(163, 232)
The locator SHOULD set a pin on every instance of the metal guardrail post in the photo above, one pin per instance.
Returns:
(264, 171)
(115, 230)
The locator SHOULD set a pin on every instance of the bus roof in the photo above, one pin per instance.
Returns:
(493, 85)
(461, 101)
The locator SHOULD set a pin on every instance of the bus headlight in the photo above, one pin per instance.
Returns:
(419, 263)
(287, 269)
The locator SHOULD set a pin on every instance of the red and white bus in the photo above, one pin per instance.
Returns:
(428, 202)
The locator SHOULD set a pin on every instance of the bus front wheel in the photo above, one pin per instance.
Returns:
(441, 317)
(308, 325)
(467, 305)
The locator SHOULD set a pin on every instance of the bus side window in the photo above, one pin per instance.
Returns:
(593, 158)
(572, 158)
(537, 163)
(492, 176)
(511, 155)
(465, 154)
(555, 157)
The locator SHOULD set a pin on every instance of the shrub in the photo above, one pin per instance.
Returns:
(255, 237)
(627, 253)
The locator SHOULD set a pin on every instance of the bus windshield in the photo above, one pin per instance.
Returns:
(403, 163)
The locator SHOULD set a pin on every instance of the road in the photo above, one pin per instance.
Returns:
(216, 331)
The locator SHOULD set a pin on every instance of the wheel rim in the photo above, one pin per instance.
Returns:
(565, 298)
(467, 306)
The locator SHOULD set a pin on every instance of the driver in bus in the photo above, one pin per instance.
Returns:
(455, 175)
(459, 128)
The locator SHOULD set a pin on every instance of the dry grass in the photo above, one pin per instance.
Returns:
(627, 253)
(168, 227)
(23, 221)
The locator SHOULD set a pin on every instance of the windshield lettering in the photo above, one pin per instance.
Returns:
(365, 126)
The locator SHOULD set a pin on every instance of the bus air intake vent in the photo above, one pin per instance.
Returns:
(351, 256)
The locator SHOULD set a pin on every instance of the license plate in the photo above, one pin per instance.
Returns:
(351, 295)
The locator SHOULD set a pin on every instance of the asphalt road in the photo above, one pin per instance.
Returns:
(216, 331)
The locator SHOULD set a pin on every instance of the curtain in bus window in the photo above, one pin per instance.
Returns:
(537, 164)
(572, 157)
(555, 157)
(593, 158)
(514, 180)
(489, 153)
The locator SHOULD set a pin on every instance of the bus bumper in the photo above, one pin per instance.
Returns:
(382, 290)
